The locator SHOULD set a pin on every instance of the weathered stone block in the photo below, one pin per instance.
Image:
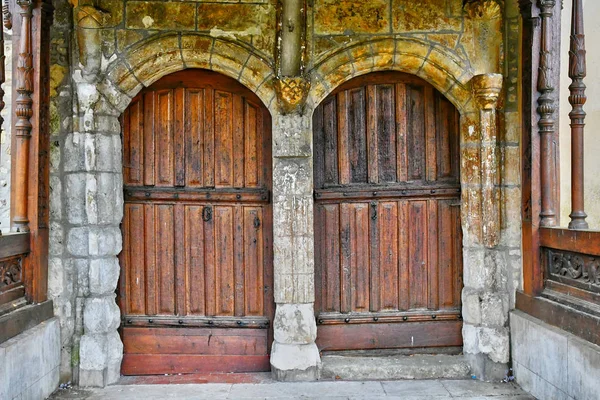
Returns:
(55, 198)
(494, 309)
(100, 315)
(494, 342)
(151, 15)
(292, 362)
(292, 176)
(294, 324)
(411, 16)
(337, 17)
(471, 306)
(292, 136)
(103, 276)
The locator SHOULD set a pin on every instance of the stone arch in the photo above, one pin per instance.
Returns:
(433, 63)
(160, 55)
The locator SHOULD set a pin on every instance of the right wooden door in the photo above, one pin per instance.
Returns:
(388, 242)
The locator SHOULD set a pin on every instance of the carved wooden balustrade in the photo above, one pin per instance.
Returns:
(561, 266)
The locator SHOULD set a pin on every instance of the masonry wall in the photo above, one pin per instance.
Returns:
(104, 53)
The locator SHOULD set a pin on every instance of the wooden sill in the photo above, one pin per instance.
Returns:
(549, 308)
(24, 317)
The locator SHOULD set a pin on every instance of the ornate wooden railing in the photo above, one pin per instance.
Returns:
(561, 266)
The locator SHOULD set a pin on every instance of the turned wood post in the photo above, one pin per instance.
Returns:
(546, 109)
(577, 98)
(23, 113)
(2, 72)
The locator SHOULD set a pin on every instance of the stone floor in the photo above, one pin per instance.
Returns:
(406, 390)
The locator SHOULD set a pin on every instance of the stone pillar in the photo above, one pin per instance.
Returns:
(485, 294)
(294, 356)
(93, 192)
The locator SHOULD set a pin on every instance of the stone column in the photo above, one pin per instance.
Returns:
(485, 295)
(294, 356)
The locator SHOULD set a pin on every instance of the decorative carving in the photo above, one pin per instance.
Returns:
(7, 15)
(485, 9)
(577, 98)
(10, 272)
(23, 113)
(89, 20)
(486, 89)
(546, 109)
(576, 267)
(292, 93)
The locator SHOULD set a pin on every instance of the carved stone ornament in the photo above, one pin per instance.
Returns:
(484, 9)
(486, 89)
(292, 93)
(10, 271)
(89, 20)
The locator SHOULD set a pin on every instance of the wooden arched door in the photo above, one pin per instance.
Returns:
(196, 284)
(388, 243)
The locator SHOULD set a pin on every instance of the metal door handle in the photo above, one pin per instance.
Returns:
(207, 213)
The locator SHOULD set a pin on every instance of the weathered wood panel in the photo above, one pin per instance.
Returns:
(197, 227)
(388, 235)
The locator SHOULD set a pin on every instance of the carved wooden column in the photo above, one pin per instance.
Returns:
(23, 113)
(577, 98)
(546, 109)
(486, 89)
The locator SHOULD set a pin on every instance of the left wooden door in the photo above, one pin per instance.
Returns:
(196, 282)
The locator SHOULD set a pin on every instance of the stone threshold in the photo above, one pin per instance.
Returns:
(394, 367)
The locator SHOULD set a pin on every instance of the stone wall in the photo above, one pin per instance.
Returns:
(103, 54)
(5, 140)
(29, 362)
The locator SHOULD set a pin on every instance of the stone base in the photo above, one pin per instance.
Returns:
(485, 369)
(551, 363)
(29, 362)
(295, 363)
(394, 367)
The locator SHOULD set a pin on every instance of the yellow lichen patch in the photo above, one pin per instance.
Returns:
(159, 15)
(57, 75)
(423, 16)
(346, 17)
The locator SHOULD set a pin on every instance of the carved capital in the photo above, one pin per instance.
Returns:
(292, 93)
(91, 17)
(486, 89)
(484, 9)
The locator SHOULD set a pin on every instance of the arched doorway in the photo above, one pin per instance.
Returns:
(388, 241)
(196, 283)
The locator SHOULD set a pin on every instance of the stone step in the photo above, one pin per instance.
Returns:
(393, 367)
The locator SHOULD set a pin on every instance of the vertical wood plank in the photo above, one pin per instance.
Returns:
(372, 133)
(404, 226)
(252, 149)
(223, 216)
(330, 141)
(416, 132)
(164, 138)
(401, 133)
(432, 257)
(373, 249)
(179, 136)
(253, 260)
(360, 272)
(240, 247)
(357, 135)
(148, 134)
(181, 243)
(135, 268)
(210, 265)
(388, 255)
(165, 255)
(238, 141)
(209, 137)
(446, 244)
(223, 139)
(458, 256)
(194, 142)
(319, 148)
(386, 133)
(445, 138)
(331, 257)
(345, 257)
(150, 258)
(418, 253)
(195, 286)
(430, 134)
(343, 138)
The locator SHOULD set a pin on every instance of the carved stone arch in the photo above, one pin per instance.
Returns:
(160, 55)
(436, 65)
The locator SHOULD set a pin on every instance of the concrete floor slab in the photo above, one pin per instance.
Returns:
(371, 390)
